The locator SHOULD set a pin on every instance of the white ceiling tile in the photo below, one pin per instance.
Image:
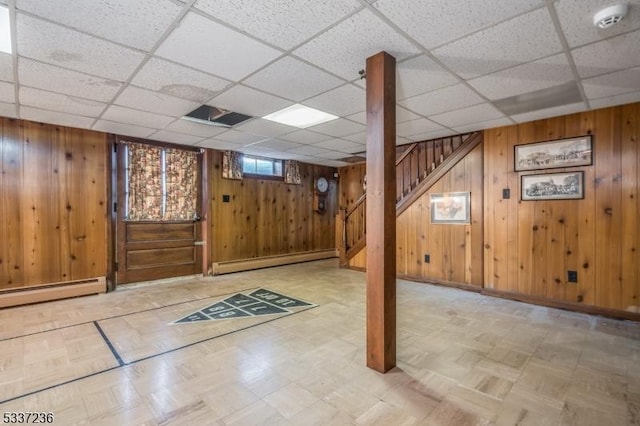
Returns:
(442, 100)
(147, 100)
(284, 24)
(473, 114)
(430, 135)
(179, 138)
(218, 144)
(305, 137)
(331, 155)
(6, 67)
(256, 150)
(355, 149)
(360, 138)
(549, 112)
(240, 138)
(308, 150)
(332, 163)
(339, 145)
(139, 118)
(419, 75)
(266, 128)
(49, 77)
(138, 23)
(502, 46)
(299, 157)
(361, 117)
(433, 23)
(123, 129)
(402, 141)
(403, 115)
(195, 129)
(57, 102)
(413, 127)
(278, 144)
(547, 72)
(576, 20)
(177, 80)
(219, 50)
(7, 92)
(338, 128)
(7, 110)
(612, 84)
(608, 55)
(67, 48)
(54, 117)
(344, 48)
(293, 79)
(248, 101)
(489, 124)
(341, 101)
(625, 98)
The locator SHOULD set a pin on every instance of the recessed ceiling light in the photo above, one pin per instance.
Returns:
(609, 16)
(300, 116)
(5, 30)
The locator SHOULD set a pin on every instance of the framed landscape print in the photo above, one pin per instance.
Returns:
(451, 208)
(552, 186)
(554, 154)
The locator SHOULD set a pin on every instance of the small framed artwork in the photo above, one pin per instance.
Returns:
(451, 208)
(552, 186)
(554, 154)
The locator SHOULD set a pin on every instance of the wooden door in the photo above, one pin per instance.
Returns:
(150, 250)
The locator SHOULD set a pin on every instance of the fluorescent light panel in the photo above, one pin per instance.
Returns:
(5, 30)
(300, 116)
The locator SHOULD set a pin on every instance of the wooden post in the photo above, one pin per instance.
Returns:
(381, 212)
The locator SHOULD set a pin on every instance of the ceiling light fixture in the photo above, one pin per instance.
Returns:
(609, 16)
(300, 116)
(5, 30)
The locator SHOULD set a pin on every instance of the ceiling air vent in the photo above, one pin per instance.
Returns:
(216, 116)
(354, 159)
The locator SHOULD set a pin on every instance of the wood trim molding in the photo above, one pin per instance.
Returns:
(444, 167)
(269, 261)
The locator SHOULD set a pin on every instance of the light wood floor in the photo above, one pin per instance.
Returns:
(463, 359)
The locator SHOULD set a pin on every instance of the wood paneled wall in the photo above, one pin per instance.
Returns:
(455, 250)
(267, 217)
(53, 204)
(530, 245)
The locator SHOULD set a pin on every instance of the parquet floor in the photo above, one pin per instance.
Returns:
(463, 359)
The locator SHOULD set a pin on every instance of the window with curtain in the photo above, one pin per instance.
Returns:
(160, 183)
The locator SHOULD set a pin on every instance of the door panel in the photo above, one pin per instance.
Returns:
(149, 250)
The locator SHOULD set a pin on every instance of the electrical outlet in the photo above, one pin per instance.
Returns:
(572, 276)
(506, 193)
(226, 198)
(427, 258)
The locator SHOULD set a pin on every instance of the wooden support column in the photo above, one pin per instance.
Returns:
(381, 212)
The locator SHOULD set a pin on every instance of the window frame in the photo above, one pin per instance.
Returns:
(260, 175)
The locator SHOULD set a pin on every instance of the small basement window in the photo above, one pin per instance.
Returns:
(261, 166)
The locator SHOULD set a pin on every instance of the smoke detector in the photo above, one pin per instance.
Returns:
(609, 16)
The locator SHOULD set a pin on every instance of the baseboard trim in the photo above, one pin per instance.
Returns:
(53, 291)
(231, 266)
(443, 283)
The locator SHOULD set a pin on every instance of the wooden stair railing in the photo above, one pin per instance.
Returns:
(418, 167)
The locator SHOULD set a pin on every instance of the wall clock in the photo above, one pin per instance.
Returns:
(320, 194)
(322, 185)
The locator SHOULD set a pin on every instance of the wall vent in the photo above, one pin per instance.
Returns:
(214, 116)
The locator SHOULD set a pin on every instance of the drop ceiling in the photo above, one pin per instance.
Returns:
(135, 67)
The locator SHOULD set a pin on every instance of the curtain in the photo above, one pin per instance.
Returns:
(292, 172)
(231, 165)
(144, 172)
(181, 177)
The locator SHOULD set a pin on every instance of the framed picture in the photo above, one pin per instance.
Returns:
(552, 186)
(553, 154)
(451, 208)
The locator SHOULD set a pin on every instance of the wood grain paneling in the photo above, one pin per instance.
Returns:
(539, 241)
(53, 211)
(267, 217)
(455, 251)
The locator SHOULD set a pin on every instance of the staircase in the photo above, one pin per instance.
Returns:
(418, 167)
